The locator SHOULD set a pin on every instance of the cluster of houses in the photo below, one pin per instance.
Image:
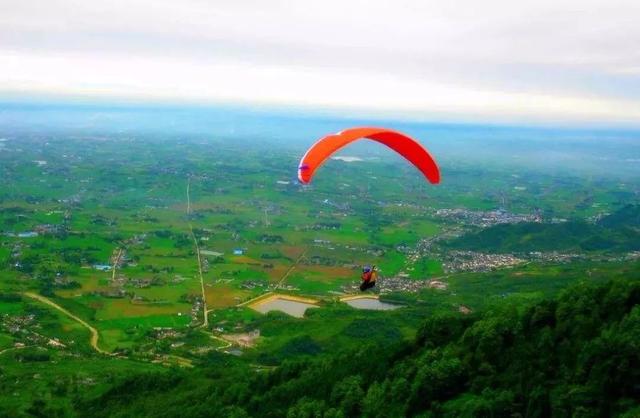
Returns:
(162, 333)
(399, 284)
(554, 257)
(478, 262)
(487, 218)
(196, 310)
(322, 226)
(247, 339)
(22, 328)
(253, 284)
(43, 229)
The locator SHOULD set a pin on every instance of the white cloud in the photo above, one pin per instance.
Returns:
(546, 60)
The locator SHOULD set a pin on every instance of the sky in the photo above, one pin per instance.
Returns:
(560, 61)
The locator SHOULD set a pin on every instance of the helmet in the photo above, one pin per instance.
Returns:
(366, 269)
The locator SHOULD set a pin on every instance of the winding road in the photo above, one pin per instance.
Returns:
(94, 332)
(182, 361)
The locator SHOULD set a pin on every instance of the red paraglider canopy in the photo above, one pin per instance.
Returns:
(404, 145)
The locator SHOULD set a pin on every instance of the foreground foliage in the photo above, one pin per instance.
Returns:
(578, 355)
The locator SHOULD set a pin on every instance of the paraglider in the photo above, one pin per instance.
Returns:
(404, 145)
(369, 277)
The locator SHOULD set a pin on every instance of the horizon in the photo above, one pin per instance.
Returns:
(572, 150)
(86, 103)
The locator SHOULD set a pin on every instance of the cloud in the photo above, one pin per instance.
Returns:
(543, 60)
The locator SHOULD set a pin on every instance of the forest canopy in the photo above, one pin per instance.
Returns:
(577, 355)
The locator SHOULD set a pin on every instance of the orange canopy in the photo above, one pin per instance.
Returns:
(404, 145)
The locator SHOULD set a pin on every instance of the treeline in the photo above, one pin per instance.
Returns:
(617, 232)
(575, 356)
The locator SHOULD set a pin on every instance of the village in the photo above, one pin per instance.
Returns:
(486, 219)
(459, 261)
(27, 332)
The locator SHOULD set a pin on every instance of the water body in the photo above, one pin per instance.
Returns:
(372, 304)
(290, 307)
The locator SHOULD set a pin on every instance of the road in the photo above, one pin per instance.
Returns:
(185, 362)
(115, 264)
(94, 332)
(6, 350)
(226, 345)
(284, 277)
(205, 322)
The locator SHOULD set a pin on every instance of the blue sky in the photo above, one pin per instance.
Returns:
(490, 61)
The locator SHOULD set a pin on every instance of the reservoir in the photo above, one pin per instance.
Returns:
(290, 307)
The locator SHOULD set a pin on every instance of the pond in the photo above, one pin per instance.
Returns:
(290, 307)
(372, 304)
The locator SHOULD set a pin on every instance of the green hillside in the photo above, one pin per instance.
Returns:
(615, 232)
(578, 355)
(161, 272)
(628, 217)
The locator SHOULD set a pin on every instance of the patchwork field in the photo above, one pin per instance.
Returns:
(157, 242)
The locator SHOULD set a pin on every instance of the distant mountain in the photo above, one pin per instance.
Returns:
(617, 232)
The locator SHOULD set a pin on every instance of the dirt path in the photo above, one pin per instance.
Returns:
(205, 322)
(94, 332)
(253, 300)
(115, 264)
(286, 274)
(359, 296)
(7, 350)
(215, 337)
(185, 362)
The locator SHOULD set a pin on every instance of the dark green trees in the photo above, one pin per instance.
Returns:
(576, 356)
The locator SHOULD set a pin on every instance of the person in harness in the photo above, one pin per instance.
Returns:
(369, 276)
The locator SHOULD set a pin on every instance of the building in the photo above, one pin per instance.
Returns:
(102, 267)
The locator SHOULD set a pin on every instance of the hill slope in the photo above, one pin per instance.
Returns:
(578, 355)
(628, 216)
(617, 232)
